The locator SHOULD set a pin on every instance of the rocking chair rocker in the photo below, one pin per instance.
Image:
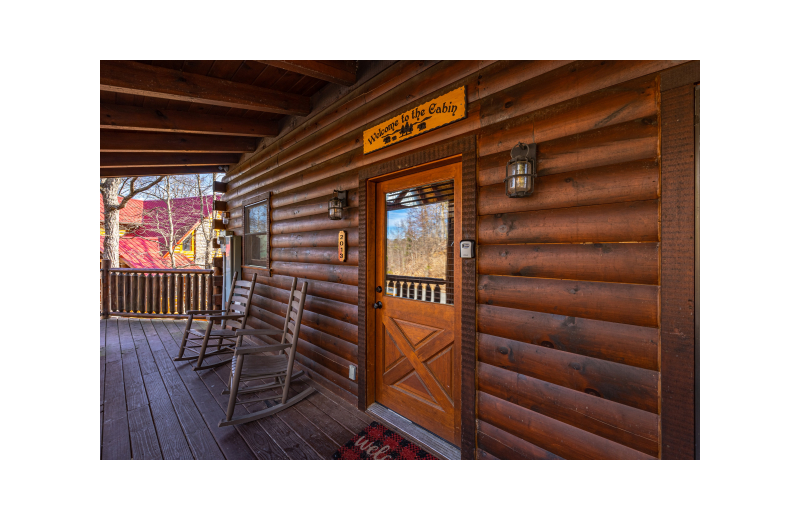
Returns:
(247, 366)
(235, 317)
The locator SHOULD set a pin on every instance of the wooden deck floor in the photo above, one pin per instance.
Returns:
(154, 408)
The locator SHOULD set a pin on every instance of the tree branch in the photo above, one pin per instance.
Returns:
(133, 192)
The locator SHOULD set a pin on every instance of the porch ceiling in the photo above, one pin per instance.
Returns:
(183, 117)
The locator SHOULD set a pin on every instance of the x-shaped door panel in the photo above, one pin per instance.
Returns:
(422, 366)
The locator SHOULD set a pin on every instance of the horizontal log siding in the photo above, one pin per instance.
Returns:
(568, 279)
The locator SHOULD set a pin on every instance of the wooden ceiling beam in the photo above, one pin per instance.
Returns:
(130, 77)
(121, 117)
(339, 72)
(125, 141)
(124, 159)
(146, 171)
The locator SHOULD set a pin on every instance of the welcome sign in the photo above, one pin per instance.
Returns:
(438, 112)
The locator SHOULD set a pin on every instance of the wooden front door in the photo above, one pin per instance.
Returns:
(417, 340)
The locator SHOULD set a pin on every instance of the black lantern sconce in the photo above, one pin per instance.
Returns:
(520, 171)
(337, 205)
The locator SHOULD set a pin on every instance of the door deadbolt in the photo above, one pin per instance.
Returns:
(379, 289)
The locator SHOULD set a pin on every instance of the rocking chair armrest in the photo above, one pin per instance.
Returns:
(257, 349)
(219, 317)
(195, 312)
(258, 332)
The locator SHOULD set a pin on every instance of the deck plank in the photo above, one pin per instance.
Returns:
(325, 423)
(102, 377)
(341, 413)
(306, 430)
(152, 406)
(116, 440)
(172, 440)
(263, 446)
(231, 443)
(143, 437)
(291, 443)
(199, 437)
(144, 440)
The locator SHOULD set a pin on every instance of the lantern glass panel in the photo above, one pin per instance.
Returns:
(335, 209)
(520, 179)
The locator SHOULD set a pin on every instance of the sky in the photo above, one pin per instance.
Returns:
(394, 219)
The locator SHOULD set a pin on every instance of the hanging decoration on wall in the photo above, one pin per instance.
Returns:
(438, 112)
(342, 246)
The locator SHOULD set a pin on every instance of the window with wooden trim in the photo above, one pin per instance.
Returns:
(256, 234)
(187, 244)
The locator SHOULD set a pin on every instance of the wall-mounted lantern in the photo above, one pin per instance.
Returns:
(337, 205)
(520, 171)
(225, 217)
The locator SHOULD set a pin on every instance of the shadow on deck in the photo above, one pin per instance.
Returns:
(154, 408)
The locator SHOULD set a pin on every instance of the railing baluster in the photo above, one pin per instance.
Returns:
(139, 293)
(147, 298)
(153, 293)
(162, 285)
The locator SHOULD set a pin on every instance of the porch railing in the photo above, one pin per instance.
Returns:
(165, 293)
(417, 288)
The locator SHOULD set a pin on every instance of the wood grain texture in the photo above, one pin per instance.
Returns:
(620, 263)
(315, 223)
(328, 290)
(625, 142)
(506, 446)
(631, 386)
(342, 274)
(125, 159)
(313, 255)
(314, 207)
(574, 81)
(123, 117)
(627, 182)
(122, 141)
(323, 238)
(620, 222)
(340, 72)
(680, 76)
(625, 425)
(677, 274)
(130, 77)
(617, 342)
(621, 303)
(554, 436)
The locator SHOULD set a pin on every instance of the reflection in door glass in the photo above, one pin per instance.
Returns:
(419, 243)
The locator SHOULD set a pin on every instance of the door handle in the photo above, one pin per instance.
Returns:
(377, 305)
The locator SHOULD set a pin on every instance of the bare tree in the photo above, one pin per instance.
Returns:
(418, 244)
(110, 188)
(172, 219)
(169, 224)
(206, 230)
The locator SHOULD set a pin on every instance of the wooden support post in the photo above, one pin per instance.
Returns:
(106, 288)
(678, 340)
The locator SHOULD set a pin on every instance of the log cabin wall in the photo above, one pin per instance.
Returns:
(568, 346)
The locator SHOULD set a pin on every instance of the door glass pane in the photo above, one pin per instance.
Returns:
(419, 243)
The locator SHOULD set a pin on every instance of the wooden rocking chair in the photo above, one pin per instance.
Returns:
(235, 317)
(248, 366)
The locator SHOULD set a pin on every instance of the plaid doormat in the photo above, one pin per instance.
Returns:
(377, 442)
